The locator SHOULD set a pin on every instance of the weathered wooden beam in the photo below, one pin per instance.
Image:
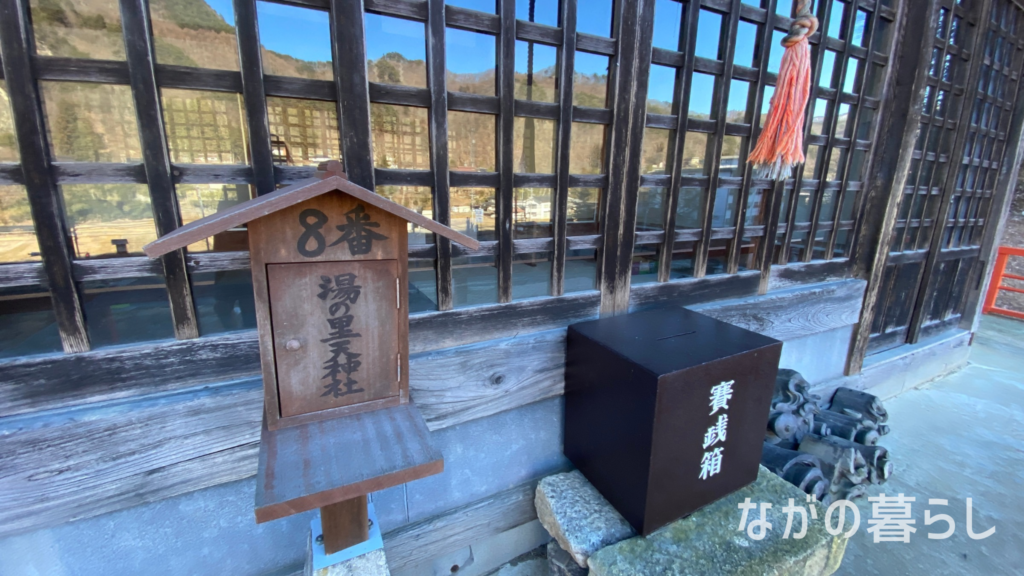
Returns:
(254, 96)
(349, 52)
(438, 135)
(560, 203)
(898, 129)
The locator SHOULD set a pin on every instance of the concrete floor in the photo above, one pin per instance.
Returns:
(958, 437)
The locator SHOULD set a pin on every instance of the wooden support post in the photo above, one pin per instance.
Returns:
(345, 524)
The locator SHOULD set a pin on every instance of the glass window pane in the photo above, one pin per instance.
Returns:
(200, 33)
(811, 162)
(724, 215)
(661, 89)
(17, 232)
(303, 132)
(732, 156)
(473, 212)
(709, 31)
(655, 151)
(590, 80)
(536, 72)
(8, 143)
(27, 323)
(581, 214)
(531, 275)
(694, 150)
(471, 143)
(533, 149)
(532, 215)
(835, 20)
(580, 270)
(755, 207)
(850, 82)
(475, 278)
(422, 285)
(396, 51)
(842, 121)
(828, 63)
(586, 151)
(77, 29)
(204, 127)
(295, 41)
(688, 208)
(596, 19)
(818, 120)
(224, 301)
(775, 56)
(544, 11)
(668, 15)
(650, 209)
(91, 122)
(860, 28)
(400, 137)
(126, 310)
(108, 219)
(197, 201)
(470, 61)
(739, 98)
(645, 264)
(702, 91)
(747, 34)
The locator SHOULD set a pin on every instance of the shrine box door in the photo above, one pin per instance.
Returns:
(335, 329)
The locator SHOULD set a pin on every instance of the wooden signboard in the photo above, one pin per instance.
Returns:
(330, 271)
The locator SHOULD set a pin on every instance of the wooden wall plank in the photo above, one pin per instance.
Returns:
(78, 462)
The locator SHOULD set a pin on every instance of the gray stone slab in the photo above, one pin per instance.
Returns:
(577, 516)
(373, 563)
(709, 542)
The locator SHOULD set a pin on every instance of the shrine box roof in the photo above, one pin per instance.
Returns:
(280, 199)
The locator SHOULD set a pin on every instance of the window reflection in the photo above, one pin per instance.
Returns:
(200, 33)
(197, 201)
(17, 233)
(204, 127)
(471, 143)
(688, 208)
(534, 145)
(400, 137)
(224, 301)
(650, 209)
(655, 151)
(532, 213)
(536, 72)
(732, 156)
(125, 311)
(303, 132)
(396, 50)
(107, 220)
(91, 122)
(8, 143)
(694, 150)
(470, 61)
(590, 80)
(645, 264)
(586, 149)
(473, 212)
(27, 323)
(77, 30)
(818, 119)
(418, 199)
(295, 41)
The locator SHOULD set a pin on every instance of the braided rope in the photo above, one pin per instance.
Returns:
(802, 26)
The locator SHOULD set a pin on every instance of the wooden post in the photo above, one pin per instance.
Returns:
(345, 524)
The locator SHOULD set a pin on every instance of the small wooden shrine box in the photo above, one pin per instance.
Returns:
(666, 410)
(330, 275)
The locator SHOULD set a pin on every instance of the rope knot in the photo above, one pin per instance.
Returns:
(802, 27)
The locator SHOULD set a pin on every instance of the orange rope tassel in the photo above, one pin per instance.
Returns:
(781, 143)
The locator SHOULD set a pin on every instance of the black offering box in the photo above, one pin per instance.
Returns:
(648, 397)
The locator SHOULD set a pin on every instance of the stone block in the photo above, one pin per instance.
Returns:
(709, 542)
(373, 563)
(560, 563)
(577, 516)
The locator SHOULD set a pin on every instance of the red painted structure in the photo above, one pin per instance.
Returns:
(998, 275)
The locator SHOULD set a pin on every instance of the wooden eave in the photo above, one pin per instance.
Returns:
(289, 196)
